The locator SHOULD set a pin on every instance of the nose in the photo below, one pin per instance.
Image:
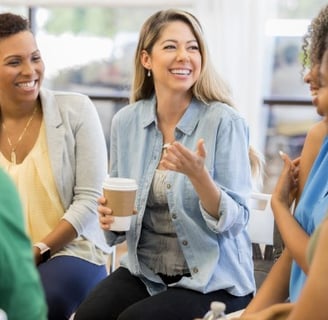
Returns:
(27, 68)
(182, 55)
(308, 77)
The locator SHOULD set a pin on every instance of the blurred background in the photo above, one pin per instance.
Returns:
(88, 46)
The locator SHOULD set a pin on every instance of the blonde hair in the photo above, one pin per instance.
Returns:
(208, 87)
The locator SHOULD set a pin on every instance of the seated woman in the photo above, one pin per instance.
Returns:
(312, 302)
(53, 147)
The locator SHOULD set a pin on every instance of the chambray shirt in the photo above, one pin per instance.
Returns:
(310, 211)
(218, 251)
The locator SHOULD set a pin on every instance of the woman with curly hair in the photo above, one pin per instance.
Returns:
(302, 180)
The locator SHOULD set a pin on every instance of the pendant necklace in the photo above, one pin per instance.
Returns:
(20, 138)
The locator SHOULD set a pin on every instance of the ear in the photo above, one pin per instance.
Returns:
(145, 59)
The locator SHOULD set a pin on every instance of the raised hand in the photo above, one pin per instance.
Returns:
(181, 159)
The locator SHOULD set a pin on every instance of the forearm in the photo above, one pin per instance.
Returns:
(293, 235)
(61, 235)
(275, 288)
(209, 194)
(313, 299)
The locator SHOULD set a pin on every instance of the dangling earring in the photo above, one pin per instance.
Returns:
(148, 73)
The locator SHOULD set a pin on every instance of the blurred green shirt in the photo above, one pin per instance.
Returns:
(21, 293)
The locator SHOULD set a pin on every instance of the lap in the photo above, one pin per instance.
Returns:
(67, 281)
(68, 270)
(180, 303)
(123, 296)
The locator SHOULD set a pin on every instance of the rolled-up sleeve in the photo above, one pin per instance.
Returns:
(231, 172)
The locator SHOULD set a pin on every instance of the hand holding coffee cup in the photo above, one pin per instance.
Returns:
(117, 206)
(105, 214)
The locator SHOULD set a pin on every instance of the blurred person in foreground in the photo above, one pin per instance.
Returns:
(21, 293)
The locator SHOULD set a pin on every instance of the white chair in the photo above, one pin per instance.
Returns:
(112, 260)
(261, 228)
(261, 220)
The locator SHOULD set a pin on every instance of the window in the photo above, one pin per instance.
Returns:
(90, 50)
(23, 10)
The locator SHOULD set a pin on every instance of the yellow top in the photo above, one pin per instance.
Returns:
(41, 202)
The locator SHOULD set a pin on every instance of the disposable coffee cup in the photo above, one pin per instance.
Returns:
(120, 194)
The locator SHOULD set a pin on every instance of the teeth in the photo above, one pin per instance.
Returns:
(27, 84)
(181, 71)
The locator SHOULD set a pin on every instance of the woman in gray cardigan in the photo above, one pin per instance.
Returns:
(52, 145)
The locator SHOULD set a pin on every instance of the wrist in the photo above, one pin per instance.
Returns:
(45, 252)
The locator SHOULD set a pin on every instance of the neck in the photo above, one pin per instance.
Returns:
(170, 110)
(17, 112)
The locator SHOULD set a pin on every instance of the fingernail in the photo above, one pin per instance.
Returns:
(281, 153)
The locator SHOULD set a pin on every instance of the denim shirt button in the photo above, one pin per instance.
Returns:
(195, 270)
(184, 242)
(168, 186)
(174, 216)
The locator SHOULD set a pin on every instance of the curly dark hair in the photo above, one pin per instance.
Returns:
(314, 40)
(11, 24)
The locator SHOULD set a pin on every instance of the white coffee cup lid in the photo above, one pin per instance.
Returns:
(120, 184)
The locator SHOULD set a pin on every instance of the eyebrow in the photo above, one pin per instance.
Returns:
(19, 56)
(176, 41)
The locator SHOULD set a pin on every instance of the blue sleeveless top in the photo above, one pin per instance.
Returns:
(311, 210)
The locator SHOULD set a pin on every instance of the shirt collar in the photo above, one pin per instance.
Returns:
(187, 123)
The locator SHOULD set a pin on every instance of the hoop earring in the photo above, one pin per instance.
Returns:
(148, 73)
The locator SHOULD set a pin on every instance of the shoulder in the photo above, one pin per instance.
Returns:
(314, 140)
(138, 110)
(311, 148)
(225, 115)
(65, 99)
(317, 132)
(135, 107)
(225, 110)
(70, 106)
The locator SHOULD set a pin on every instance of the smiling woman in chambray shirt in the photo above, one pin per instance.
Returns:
(189, 152)
(217, 251)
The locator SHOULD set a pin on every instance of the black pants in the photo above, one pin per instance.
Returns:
(122, 296)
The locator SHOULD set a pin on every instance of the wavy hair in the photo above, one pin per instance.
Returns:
(313, 46)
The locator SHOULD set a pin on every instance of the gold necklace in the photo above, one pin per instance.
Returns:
(20, 138)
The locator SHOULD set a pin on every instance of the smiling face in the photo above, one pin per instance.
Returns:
(175, 59)
(312, 79)
(322, 98)
(21, 68)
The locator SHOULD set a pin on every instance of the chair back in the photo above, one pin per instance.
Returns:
(261, 220)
